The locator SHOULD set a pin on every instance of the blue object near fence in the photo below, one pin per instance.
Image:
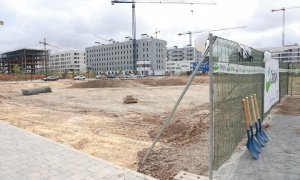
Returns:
(204, 67)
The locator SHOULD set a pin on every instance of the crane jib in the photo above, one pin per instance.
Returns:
(191, 2)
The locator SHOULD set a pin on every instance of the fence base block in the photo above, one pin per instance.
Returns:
(183, 175)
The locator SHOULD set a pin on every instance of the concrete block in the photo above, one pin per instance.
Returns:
(183, 175)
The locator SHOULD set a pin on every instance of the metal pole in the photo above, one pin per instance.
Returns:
(45, 57)
(288, 79)
(283, 25)
(167, 121)
(134, 36)
(292, 81)
(194, 54)
(190, 39)
(211, 108)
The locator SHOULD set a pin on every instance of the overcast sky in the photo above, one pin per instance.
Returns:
(71, 24)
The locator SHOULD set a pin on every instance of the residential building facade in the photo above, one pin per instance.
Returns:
(117, 57)
(290, 53)
(181, 60)
(66, 61)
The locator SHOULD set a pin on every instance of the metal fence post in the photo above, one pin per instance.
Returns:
(288, 79)
(292, 74)
(211, 108)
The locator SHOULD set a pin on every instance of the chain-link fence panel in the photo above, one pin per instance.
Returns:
(244, 76)
(294, 79)
(283, 78)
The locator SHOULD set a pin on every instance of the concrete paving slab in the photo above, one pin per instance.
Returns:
(24, 155)
(183, 175)
(279, 160)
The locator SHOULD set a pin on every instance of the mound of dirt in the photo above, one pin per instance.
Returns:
(149, 81)
(185, 125)
(165, 81)
(201, 79)
(166, 163)
(289, 105)
(105, 83)
(184, 145)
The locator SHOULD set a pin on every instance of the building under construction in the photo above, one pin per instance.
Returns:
(30, 61)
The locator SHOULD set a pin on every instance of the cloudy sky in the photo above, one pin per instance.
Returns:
(71, 24)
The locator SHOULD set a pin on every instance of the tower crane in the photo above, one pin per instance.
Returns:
(108, 40)
(156, 32)
(283, 19)
(46, 59)
(133, 2)
(207, 30)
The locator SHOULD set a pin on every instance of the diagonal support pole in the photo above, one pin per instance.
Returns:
(167, 121)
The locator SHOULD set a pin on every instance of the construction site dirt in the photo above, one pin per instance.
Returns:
(91, 117)
(290, 105)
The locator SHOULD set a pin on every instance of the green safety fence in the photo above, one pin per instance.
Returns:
(283, 79)
(235, 77)
(294, 79)
(229, 90)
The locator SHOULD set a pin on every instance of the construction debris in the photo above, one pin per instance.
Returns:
(36, 91)
(129, 99)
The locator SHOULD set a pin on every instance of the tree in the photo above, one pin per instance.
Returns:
(16, 69)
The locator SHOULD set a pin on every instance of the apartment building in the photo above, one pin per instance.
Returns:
(181, 60)
(72, 60)
(289, 53)
(116, 57)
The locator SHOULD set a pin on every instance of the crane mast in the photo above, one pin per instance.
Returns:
(134, 36)
(283, 20)
(45, 60)
(46, 54)
(133, 2)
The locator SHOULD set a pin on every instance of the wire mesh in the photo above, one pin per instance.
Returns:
(294, 79)
(283, 79)
(229, 90)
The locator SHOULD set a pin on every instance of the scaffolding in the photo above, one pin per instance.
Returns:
(30, 61)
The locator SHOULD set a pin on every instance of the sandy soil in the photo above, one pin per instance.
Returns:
(91, 117)
(289, 105)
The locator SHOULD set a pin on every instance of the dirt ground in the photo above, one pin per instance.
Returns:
(289, 105)
(91, 117)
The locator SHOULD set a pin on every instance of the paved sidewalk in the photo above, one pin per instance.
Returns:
(24, 155)
(279, 160)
